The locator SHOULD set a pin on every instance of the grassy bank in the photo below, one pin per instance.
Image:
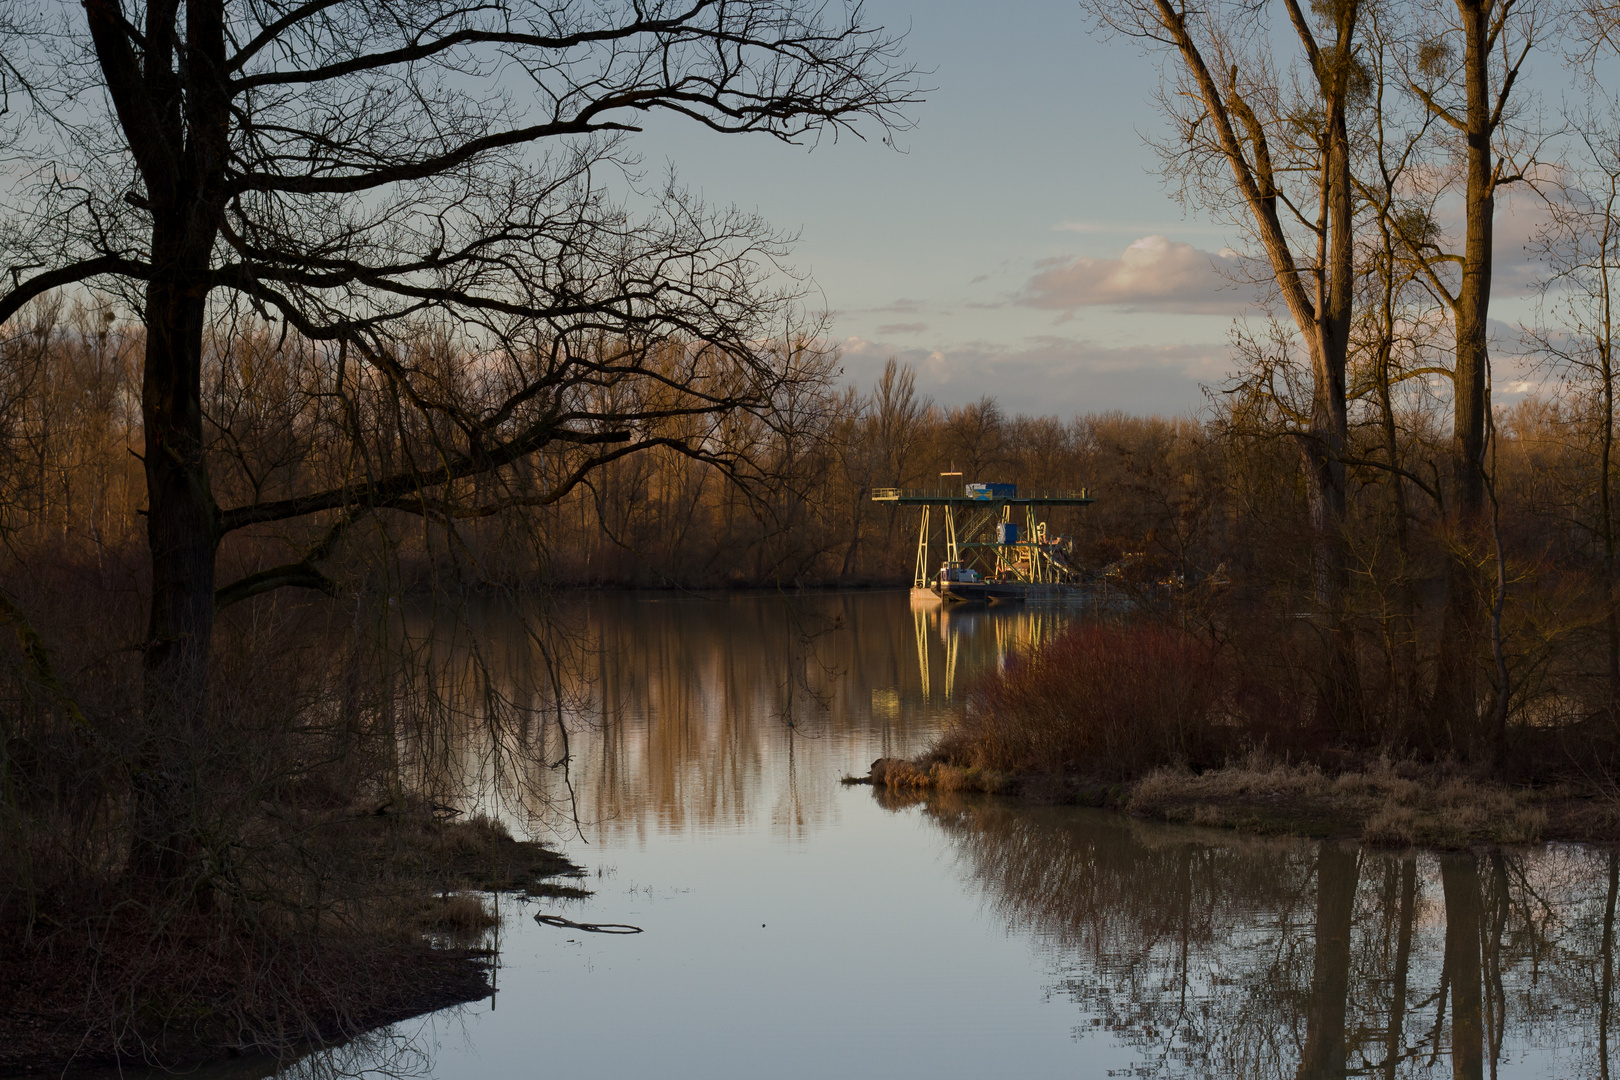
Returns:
(1385, 803)
(1172, 726)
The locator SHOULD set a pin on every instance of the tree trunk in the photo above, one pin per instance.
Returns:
(1329, 416)
(1605, 357)
(173, 101)
(181, 524)
(1606, 975)
(1398, 635)
(182, 535)
(1456, 705)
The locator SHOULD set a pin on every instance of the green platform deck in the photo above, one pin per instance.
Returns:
(921, 497)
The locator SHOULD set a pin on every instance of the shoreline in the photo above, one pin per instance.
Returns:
(1385, 804)
(372, 978)
(42, 1042)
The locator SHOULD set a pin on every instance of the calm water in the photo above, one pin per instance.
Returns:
(798, 928)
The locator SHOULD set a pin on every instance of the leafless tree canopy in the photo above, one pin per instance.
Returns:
(362, 161)
(358, 172)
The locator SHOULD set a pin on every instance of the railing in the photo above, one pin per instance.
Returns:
(1054, 493)
(891, 494)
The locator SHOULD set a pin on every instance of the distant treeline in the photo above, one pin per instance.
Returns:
(777, 497)
(1209, 514)
(780, 496)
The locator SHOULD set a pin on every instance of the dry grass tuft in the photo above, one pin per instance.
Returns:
(897, 774)
(1257, 776)
(1388, 803)
(475, 836)
(459, 913)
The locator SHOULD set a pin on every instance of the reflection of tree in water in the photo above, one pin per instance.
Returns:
(680, 711)
(674, 711)
(401, 1052)
(1216, 954)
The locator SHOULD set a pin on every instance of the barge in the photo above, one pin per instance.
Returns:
(991, 556)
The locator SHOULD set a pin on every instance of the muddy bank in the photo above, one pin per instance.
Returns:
(205, 984)
(1385, 803)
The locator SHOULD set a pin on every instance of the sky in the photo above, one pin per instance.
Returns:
(1018, 241)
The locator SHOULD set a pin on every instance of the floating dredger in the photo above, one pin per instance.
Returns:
(989, 553)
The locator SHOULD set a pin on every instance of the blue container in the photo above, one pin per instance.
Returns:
(992, 491)
(1007, 532)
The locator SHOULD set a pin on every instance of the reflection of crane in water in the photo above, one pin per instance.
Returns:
(920, 617)
(923, 618)
(1012, 630)
(1023, 634)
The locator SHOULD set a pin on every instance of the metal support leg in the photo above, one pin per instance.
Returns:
(1032, 535)
(920, 577)
(1004, 554)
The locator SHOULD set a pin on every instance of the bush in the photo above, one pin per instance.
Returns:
(1100, 699)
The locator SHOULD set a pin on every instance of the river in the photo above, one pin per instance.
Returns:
(796, 927)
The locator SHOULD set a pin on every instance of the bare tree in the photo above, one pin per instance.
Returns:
(975, 437)
(354, 171)
(1576, 334)
(1461, 64)
(1268, 141)
(899, 416)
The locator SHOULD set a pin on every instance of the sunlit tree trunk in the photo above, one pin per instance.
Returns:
(1456, 701)
(1604, 347)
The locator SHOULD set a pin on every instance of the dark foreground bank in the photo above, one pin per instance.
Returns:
(155, 985)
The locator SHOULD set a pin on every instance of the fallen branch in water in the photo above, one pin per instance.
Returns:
(590, 928)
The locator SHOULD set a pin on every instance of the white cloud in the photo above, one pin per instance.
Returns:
(1154, 273)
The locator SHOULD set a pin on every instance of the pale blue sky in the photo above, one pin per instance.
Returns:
(956, 251)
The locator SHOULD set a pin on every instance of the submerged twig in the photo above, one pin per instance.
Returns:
(589, 928)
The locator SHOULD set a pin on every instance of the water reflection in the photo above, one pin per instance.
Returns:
(955, 937)
(400, 1052)
(694, 713)
(1222, 955)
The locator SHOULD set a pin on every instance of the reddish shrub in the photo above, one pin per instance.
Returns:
(1099, 699)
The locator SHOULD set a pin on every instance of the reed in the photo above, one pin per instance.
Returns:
(1101, 700)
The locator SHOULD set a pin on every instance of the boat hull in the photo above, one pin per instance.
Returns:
(1005, 592)
(992, 592)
